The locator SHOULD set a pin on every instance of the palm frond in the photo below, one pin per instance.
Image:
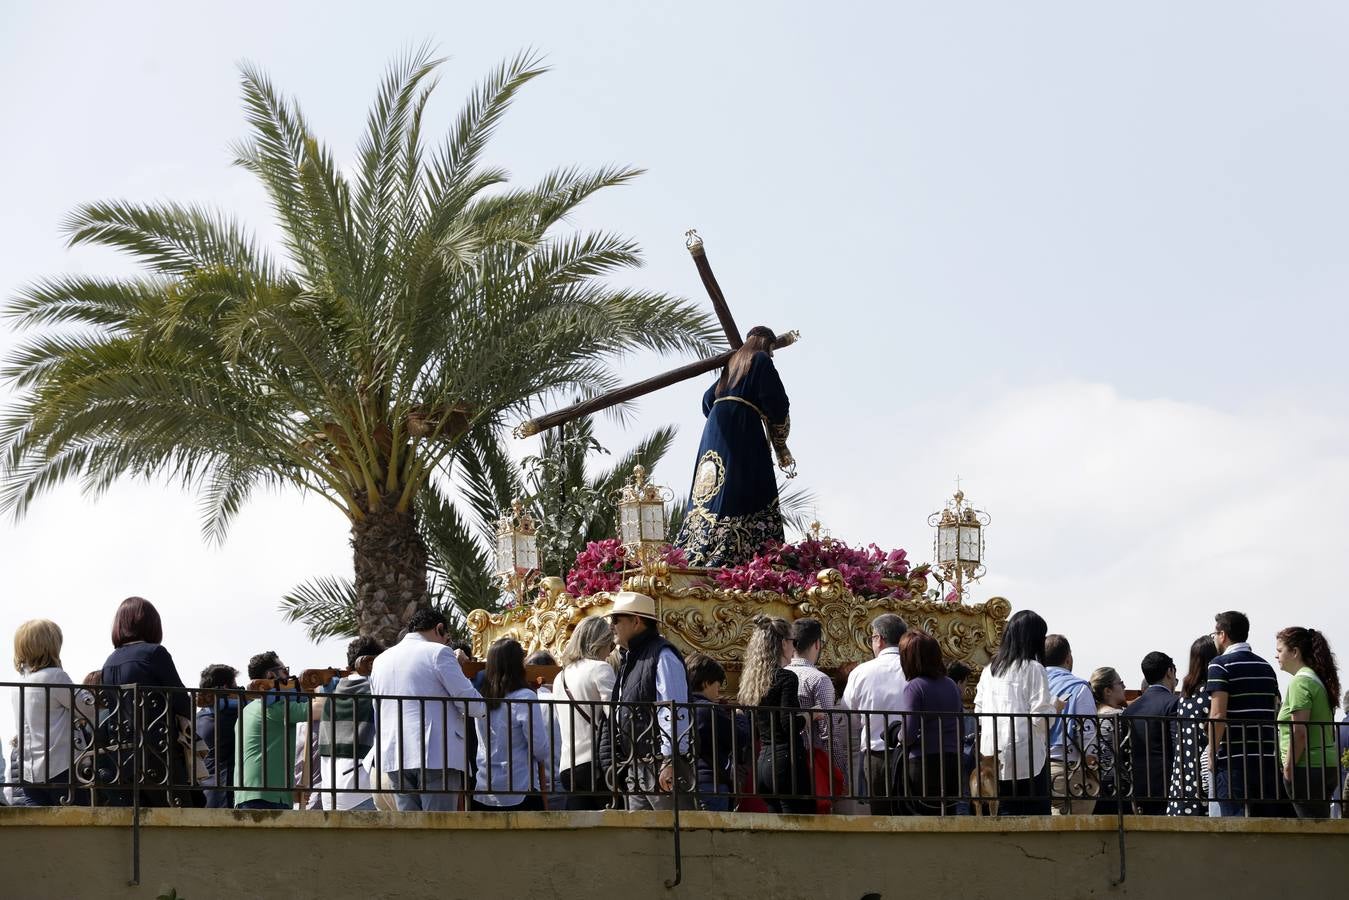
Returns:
(460, 562)
(489, 477)
(325, 606)
(409, 310)
(797, 504)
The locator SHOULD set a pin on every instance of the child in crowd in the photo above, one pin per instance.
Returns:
(721, 737)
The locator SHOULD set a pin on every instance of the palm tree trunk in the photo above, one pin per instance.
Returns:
(390, 562)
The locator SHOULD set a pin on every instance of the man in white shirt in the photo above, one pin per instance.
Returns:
(421, 742)
(878, 685)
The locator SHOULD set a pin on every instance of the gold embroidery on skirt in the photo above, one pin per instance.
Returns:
(709, 478)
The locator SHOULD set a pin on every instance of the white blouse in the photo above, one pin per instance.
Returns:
(1021, 741)
(586, 685)
(45, 716)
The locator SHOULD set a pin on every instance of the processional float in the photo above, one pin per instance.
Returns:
(694, 612)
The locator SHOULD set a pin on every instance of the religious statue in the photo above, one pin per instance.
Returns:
(733, 503)
(732, 513)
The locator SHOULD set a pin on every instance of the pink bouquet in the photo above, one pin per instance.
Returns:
(599, 567)
(788, 568)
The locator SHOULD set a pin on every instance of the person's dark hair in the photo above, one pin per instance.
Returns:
(1155, 666)
(957, 671)
(1233, 624)
(1022, 641)
(704, 670)
(426, 619)
(465, 646)
(218, 675)
(1202, 652)
(262, 663)
(920, 655)
(890, 627)
(505, 671)
(1312, 646)
(362, 646)
(1057, 650)
(540, 658)
(136, 619)
(805, 632)
(759, 340)
(93, 679)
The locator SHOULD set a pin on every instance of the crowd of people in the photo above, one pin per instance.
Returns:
(628, 721)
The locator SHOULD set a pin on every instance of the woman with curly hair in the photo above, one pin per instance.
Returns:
(782, 773)
(1309, 751)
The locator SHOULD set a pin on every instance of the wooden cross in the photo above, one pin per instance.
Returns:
(650, 385)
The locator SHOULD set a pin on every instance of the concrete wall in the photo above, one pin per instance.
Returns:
(209, 853)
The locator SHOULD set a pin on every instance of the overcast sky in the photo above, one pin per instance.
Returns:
(1088, 257)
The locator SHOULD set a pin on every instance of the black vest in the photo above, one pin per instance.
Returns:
(634, 731)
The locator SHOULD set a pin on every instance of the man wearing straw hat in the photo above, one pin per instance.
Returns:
(637, 749)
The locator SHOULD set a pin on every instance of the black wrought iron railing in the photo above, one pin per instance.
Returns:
(147, 746)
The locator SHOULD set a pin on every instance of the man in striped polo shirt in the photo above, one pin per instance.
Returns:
(1242, 751)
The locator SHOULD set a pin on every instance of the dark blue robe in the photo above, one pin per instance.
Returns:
(733, 502)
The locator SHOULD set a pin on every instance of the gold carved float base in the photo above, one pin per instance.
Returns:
(698, 617)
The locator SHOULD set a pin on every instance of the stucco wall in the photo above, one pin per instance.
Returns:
(81, 853)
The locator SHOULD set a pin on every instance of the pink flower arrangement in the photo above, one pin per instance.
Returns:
(788, 568)
(599, 567)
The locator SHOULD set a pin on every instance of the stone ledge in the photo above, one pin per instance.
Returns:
(689, 821)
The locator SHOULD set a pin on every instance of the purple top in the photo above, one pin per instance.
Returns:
(931, 695)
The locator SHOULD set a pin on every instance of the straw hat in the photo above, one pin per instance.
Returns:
(632, 603)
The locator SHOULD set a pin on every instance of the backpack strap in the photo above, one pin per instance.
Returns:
(562, 680)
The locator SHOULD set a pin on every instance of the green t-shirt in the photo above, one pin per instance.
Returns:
(250, 781)
(1307, 692)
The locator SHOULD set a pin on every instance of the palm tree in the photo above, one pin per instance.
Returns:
(417, 301)
(571, 504)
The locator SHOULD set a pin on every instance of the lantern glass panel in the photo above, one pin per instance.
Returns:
(969, 543)
(526, 552)
(505, 555)
(630, 523)
(946, 543)
(653, 521)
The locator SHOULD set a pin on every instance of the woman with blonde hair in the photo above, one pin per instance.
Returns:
(782, 772)
(44, 710)
(1107, 688)
(585, 685)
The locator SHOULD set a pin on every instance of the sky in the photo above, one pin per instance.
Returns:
(1086, 257)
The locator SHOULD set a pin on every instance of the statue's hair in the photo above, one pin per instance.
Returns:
(759, 340)
(763, 657)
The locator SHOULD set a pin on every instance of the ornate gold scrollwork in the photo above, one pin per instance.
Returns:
(699, 617)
